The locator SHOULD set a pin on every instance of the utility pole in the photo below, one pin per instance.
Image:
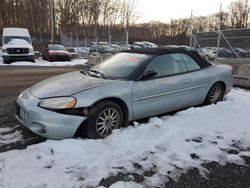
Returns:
(193, 38)
(219, 35)
(77, 42)
(86, 41)
(221, 16)
(52, 21)
(110, 37)
(127, 38)
(191, 30)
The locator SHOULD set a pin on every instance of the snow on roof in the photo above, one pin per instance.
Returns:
(12, 31)
(169, 146)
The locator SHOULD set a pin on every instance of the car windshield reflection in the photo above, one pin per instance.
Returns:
(121, 65)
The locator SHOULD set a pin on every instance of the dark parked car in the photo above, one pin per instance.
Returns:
(101, 48)
(240, 52)
(139, 45)
(55, 52)
(224, 53)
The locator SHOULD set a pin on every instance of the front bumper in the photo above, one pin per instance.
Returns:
(59, 57)
(43, 122)
(18, 57)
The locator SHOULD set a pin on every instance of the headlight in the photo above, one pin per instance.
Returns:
(31, 50)
(58, 103)
(3, 50)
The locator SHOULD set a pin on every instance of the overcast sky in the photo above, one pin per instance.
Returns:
(165, 10)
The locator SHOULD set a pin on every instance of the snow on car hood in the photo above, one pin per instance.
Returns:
(66, 85)
(18, 43)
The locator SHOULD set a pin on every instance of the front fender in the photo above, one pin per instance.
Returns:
(121, 90)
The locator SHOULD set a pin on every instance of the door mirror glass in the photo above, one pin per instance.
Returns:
(149, 74)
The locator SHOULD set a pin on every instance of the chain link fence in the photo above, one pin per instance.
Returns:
(87, 47)
(81, 41)
(230, 47)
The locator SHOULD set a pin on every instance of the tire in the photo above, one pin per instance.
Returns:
(33, 61)
(215, 94)
(100, 118)
(6, 62)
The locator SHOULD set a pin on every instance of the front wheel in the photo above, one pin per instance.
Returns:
(215, 94)
(6, 61)
(33, 61)
(104, 118)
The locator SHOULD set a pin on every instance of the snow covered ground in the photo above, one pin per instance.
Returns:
(41, 62)
(166, 146)
(10, 135)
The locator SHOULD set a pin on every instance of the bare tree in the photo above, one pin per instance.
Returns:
(128, 12)
(239, 13)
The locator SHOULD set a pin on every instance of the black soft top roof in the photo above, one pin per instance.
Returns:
(160, 51)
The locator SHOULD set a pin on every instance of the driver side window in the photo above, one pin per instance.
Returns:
(166, 65)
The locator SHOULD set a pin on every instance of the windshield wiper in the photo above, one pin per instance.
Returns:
(97, 72)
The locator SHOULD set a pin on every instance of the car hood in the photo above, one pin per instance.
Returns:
(66, 85)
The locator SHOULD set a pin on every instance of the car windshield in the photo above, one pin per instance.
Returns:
(121, 65)
(239, 50)
(56, 47)
(8, 39)
(71, 49)
(142, 45)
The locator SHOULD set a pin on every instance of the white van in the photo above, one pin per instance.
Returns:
(17, 45)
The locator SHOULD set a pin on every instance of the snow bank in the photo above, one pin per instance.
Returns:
(41, 62)
(168, 146)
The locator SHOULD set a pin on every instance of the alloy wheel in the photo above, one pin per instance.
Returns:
(216, 95)
(107, 120)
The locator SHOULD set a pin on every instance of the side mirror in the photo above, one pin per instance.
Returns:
(148, 74)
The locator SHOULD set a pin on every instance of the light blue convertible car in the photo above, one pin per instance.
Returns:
(130, 85)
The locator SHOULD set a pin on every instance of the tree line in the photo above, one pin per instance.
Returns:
(92, 18)
(87, 18)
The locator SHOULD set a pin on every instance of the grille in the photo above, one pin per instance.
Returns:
(17, 50)
(21, 113)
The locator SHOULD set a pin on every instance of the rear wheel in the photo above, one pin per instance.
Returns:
(215, 94)
(104, 118)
